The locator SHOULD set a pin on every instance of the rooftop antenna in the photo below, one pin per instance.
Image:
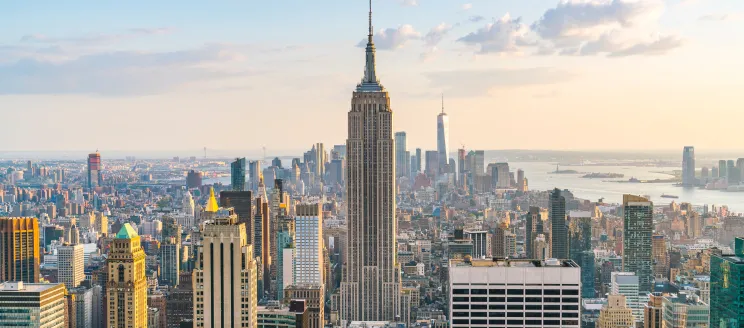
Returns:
(442, 102)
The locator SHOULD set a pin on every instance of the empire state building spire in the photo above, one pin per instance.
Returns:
(370, 83)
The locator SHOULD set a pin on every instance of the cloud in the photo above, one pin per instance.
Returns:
(122, 73)
(393, 38)
(94, 39)
(474, 83)
(436, 34)
(505, 35)
(476, 18)
(467, 6)
(722, 17)
(659, 46)
(573, 22)
(409, 3)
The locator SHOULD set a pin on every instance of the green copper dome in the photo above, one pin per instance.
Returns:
(126, 232)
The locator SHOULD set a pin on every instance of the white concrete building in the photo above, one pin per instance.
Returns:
(514, 293)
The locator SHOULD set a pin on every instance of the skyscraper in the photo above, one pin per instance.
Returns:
(32, 305)
(558, 229)
(688, 166)
(726, 304)
(615, 314)
(637, 255)
(661, 256)
(225, 289)
(401, 157)
(533, 228)
(580, 249)
(417, 168)
(95, 178)
(237, 174)
(70, 264)
(127, 283)
(722, 169)
(370, 287)
(443, 138)
(432, 164)
(254, 173)
(308, 244)
(169, 262)
(19, 249)
(242, 202)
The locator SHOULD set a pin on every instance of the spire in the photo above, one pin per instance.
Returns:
(370, 82)
(442, 103)
(212, 202)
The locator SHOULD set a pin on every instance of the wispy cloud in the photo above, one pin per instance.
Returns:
(728, 17)
(393, 38)
(474, 83)
(94, 39)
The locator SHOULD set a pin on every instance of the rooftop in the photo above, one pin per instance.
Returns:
(126, 232)
(513, 263)
(19, 286)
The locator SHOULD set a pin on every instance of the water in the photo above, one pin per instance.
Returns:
(612, 192)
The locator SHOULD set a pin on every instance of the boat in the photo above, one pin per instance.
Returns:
(669, 196)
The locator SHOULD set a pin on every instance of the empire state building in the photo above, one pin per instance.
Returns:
(370, 286)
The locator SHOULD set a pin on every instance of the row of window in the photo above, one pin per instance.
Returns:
(466, 322)
(521, 307)
(515, 314)
(464, 299)
(459, 291)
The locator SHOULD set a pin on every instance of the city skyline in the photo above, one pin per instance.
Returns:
(480, 64)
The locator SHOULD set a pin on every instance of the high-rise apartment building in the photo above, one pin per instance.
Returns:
(225, 274)
(722, 169)
(688, 166)
(242, 202)
(638, 228)
(254, 174)
(627, 284)
(432, 164)
(726, 285)
(370, 286)
(443, 139)
(615, 314)
(180, 302)
(70, 265)
(308, 257)
(170, 262)
(661, 256)
(558, 228)
(32, 305)
(580, 249)
(481, 243)
(534, 227)
(237, 174)
(514, 293)
(685, 310)
(402, 164)
(652, 312)
(95, 177)
(127, 284)
(19, 249)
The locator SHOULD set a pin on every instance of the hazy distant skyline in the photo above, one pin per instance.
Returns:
(141, 76)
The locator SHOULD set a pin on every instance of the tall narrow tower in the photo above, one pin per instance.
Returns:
(370, 287)
(443, 139)
(127, 283)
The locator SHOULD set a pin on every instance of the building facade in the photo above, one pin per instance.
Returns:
(225, 277)
(19, 249)
(638, 214)
(688, 166)
(71, 265)
(500, 293)
(127, 284)
(308, 256)
(237, 174)
(32, 305)
(443, 139)
(726, 286)
(558, 228)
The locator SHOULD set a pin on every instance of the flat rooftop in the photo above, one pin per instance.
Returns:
(514, 263)
(24, 287)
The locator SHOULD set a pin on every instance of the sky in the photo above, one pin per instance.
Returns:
(515, 74)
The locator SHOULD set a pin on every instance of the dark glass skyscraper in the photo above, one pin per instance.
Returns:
(726, 287)
(237, 174)
(580, 249)
(558, 229)
(533, 228)
(638, 213)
